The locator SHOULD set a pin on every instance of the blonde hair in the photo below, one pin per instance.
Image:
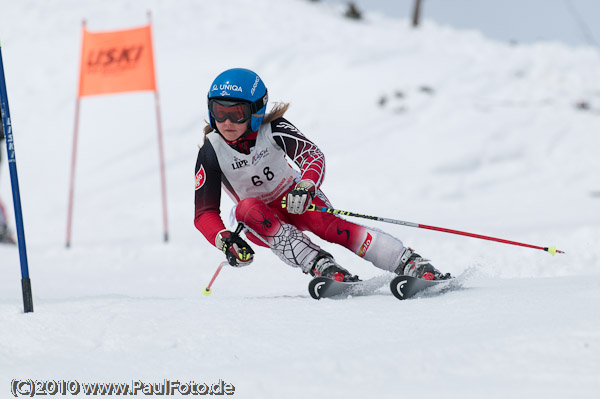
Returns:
(276, 112)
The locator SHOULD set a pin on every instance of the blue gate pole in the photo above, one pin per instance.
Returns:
(12, 166)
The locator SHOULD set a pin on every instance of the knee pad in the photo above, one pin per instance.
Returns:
(381, 249)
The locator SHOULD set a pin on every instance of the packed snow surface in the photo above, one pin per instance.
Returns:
(433, 126)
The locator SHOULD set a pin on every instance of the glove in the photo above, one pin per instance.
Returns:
(300, 198)
(237, 251)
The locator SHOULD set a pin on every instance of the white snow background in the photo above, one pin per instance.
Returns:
(474, 135)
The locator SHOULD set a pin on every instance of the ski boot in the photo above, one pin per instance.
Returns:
(412, 264)
(323, 265)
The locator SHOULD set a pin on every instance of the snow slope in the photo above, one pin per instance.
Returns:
(474, 135)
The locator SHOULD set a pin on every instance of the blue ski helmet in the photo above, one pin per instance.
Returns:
(242, 85)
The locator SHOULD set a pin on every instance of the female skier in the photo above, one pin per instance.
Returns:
(245, 152)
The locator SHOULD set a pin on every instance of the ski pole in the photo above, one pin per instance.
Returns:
(552, 250)
(6, 123)
(206, 290)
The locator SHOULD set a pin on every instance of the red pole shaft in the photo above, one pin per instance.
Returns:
(215, 275)
(73, 164)
(161, 157)
(75, 135)
(463, 233)
(163, 179)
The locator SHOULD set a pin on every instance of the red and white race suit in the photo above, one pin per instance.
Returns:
(257, 173)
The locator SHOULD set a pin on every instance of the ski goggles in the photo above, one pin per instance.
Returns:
(235, 111)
